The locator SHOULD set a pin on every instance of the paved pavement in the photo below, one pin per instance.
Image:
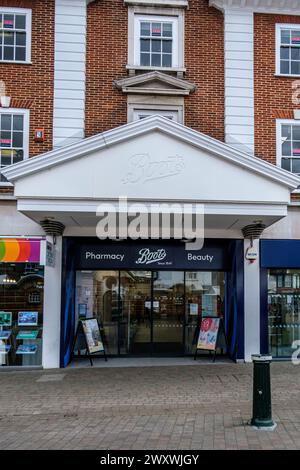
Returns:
(185, 406)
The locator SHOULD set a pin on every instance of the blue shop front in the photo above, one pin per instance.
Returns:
(150, 296)
(280, 297)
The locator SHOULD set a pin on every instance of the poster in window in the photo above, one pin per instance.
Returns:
(193, 309)
(92, 335)
(27, 318)
(208, 334)
(27, 349)
(5, 318)
(82, 311)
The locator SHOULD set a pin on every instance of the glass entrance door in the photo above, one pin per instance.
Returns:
(168, 312)
(135, 312)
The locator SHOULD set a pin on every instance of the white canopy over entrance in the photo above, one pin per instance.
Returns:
(152, 160)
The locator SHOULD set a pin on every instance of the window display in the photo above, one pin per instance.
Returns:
(20, 327)
(149, 312)
(283, 311)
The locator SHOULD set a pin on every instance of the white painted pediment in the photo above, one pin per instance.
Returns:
(155, 83)
(152, 159)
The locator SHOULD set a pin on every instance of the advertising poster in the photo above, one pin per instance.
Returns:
(27, 318)
(27, 349)
(193, 309)
(5, 318)
(92, 335)
(208, 334)
(5, 335)
(27, 334)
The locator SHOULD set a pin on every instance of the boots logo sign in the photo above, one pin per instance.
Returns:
(147, 256)
(143, 168)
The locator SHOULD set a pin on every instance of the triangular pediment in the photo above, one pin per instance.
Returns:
(156, 83)
(152, 159)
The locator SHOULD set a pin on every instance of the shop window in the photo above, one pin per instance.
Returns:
(14, 125)
(144, 312)
(155, 40)
(283, 311)
(21, 319)
(288, 145)
(288, 49)
(15, 35)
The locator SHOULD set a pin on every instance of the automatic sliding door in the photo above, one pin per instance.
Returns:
(135, 310)
(168, 312)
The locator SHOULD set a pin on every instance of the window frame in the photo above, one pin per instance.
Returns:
(138, 19)
(134, 108)
(28, 13)
(152, 112)
(175, 16)
(279, 124)
(279, 27)
(26, 114)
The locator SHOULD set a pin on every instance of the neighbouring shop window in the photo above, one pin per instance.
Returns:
(13, 137)
(283, 311)
(288, 138)
(21, 314)
(15, 35)
(288, 49)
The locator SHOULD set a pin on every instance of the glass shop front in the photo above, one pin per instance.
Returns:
(21, 302)
(280, 308)
(149, 297)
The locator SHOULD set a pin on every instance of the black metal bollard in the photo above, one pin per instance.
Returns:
(262, 401)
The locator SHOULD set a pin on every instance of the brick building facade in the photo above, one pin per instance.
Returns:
(163, 104)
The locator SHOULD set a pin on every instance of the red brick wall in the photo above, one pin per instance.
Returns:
(273, 95)
(31, 86)
(106, 107)
(204, 61)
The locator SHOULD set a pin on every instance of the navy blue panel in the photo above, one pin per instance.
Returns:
(68, 303)
(152, 255)
(240, 298)
(280, 253)
(234, 318)
(264, 340)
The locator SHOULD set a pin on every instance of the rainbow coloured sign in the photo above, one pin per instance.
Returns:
(19, 250)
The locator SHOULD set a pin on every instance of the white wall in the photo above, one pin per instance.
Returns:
(69, 86)
(239, 79)
(252, 304)
(13, 223)
(287, 228)
(52, 310)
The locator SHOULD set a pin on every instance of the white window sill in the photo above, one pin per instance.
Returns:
(18, 62)
(6, 185)
(162, 69)
(282, 75)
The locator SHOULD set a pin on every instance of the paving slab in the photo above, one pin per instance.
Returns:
(167, 405)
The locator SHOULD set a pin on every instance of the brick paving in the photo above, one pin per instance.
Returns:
(170, 407)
